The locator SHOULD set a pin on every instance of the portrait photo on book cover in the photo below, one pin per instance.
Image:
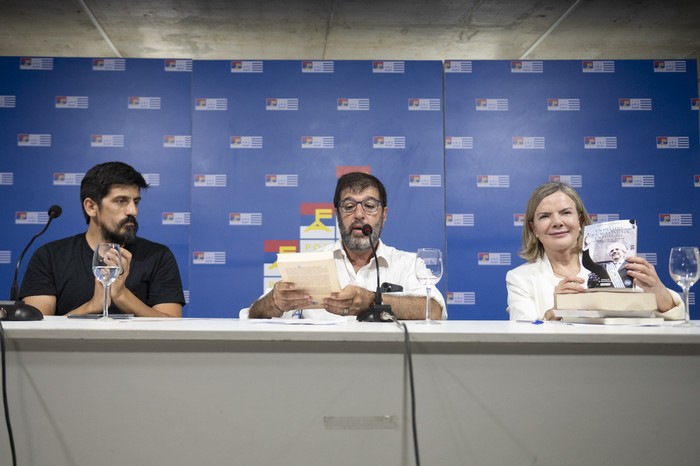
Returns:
(606, 247)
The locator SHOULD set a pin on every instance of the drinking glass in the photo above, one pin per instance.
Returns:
(428, 272)
(107, 266)
(683, 268)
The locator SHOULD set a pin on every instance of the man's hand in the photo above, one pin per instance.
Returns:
(119, 285)
(286, 297)
(349, 301)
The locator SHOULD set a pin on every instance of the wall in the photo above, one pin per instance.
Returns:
(242, 157)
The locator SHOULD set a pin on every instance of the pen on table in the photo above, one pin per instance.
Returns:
(533, 322)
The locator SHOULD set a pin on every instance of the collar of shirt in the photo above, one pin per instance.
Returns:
(366, 275)
(382, 254)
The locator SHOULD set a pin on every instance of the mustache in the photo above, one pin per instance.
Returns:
(129, 219)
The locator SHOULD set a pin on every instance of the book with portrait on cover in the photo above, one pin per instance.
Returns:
(606, 246)
(313, 272)
(610, 291)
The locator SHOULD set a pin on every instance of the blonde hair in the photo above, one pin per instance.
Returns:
(532, 248)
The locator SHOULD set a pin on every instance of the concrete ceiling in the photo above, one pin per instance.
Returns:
(352, 29)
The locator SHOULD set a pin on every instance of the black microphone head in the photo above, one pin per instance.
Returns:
(366, 229)
(55, 211)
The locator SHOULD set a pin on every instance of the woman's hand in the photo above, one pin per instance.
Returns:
(572, 284)
(645, 277)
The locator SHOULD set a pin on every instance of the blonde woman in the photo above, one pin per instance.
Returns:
(552, 242)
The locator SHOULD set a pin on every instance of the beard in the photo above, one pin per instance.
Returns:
(116, 236)
(361, 243)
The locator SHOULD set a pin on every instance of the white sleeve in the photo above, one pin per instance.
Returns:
(521, 298)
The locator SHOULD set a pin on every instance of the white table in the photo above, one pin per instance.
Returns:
(224, 391)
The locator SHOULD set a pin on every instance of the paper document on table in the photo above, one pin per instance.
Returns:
(285, 321)
(313, 272)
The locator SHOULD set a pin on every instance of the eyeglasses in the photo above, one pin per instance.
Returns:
(369, 205)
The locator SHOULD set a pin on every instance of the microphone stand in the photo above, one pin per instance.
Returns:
(15, 309)
(378, 312)
(14, 291)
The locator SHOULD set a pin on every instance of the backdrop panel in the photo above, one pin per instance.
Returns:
(623, 133)
(270, 139)
(61, 116)
(243, 155)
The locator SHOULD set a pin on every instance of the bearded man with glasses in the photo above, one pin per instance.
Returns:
(360, 199)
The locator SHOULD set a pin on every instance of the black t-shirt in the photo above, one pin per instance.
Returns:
(63, 268)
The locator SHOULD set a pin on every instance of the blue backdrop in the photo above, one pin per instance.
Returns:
(242, 157)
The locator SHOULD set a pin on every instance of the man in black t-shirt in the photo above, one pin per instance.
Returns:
(59, 278)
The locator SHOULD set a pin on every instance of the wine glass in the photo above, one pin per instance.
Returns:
(107, 266)
(428, 272)
(683, 268)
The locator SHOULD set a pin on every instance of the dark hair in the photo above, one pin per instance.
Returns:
(99, 180)
(358, 182)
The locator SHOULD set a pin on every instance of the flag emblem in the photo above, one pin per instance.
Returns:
(458, 66)
(627, 104)
(492, 105)
(672, 142)
(317, 66)
(245, 219)
(108, 64)
(575, 181)
(637, 181)
(600, 142)
(33, 140)
(459, 142)
(493, 258)
(466, 298)
(388, 67)
(281, 181)
(209, 258)
(176, 218)
(493, 181)
(274, 103)
(528, 142)
(247, 66)
(676, 220)
(526, 67)
(459, 220)
(598, 66)
(210, 104)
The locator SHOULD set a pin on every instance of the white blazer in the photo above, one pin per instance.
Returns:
(531, 291)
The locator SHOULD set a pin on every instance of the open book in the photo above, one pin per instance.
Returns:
(313, 272)
(606, 245)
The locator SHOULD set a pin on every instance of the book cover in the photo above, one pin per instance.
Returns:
(313, 272)
(606, 246)
(602, 307)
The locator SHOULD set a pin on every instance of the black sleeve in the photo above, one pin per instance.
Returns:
(593, 266)
(166, 286)
(38, 278)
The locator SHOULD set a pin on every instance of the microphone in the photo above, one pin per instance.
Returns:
(16, 309)
(378, 312)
